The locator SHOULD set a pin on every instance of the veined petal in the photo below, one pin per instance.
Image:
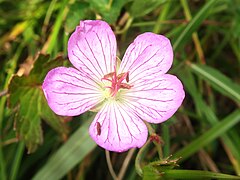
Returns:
(155, 100)
(92, 48)
(70, 92)
(148, 54)
(115, 128)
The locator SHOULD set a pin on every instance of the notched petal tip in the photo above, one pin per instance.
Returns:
(92, 48)
(89, 25)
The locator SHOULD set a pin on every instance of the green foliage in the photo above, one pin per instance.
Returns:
(30, 106)
(70, 154)
(141, 7)
(184, 174)
(216, 131)
(77, 12)
(108, 9)
(204, 133)
(165, 170)
(218, 80)
(194, 24)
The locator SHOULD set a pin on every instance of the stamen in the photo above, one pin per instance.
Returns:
(117, 81)
(125, 86)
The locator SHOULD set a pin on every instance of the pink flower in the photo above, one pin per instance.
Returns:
(138, 89)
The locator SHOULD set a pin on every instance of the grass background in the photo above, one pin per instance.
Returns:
(204, 132)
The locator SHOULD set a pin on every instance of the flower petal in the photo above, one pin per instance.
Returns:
(92, 48)
(155, 100)
(148, 54)
(115, 128)
(70, 92)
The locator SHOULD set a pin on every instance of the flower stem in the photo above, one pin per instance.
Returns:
(157, 143)
(166, 139)
(140, 156)
(126, 27)
(109, 164)
(126, 163)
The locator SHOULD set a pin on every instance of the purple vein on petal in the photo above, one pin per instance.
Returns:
(85, 65)
(117, 123)
(81, 100)
(94, 86)
(143, 52)
(87, 59)
(82, 104)
(130, 116)
(108, 112)
(110, 55)
(136, 105)
(75, 93)
(142, 64)
(145, 84)
(131, 121)
(76, 85)
(89, 105)
(94, 57)
(103, 53)
(136, 98)
(124, 66)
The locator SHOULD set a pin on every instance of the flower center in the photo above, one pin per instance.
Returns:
(116, 82)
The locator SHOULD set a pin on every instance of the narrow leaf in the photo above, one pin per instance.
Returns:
(213, 133)
(195, 174)
(69, 155)
(218, 80)
(193, 24)
(142, 7)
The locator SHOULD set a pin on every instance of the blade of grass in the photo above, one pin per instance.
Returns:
(235, 48)
(219, 81)
(213, 133)
(52, 39)
(195, 38)
(17, 161)
(69, 155)
(195, 174)
(48, 15)
(10, 71)
(162, 17)
(204, 112)
(193, 24)
(3, 175)
(166, 139)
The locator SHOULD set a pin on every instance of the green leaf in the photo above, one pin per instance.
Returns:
(108, 9)
(195, 174)
(77, 11)
(150, 172)
(143, 7)
(218, 80)
(53, 37)
(219, 129)
(193, 24)
(69, 155)
(205, 113)
(30, 105)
